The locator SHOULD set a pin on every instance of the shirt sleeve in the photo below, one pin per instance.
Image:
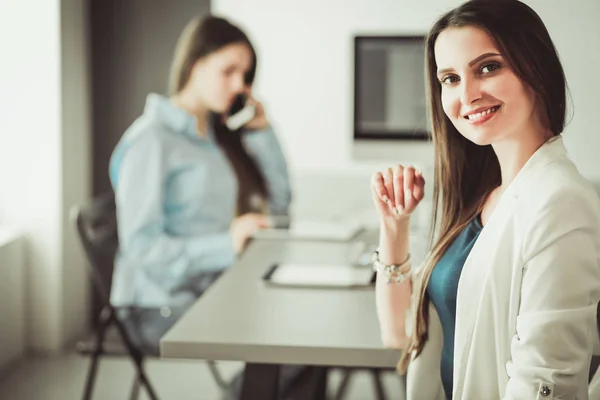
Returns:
(556, 324)
(264, 147)
(138, 175)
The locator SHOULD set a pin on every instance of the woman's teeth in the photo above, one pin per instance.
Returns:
(477, 116)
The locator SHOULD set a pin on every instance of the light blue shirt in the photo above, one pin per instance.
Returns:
(176, 196)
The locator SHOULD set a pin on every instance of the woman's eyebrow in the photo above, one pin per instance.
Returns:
(471, 63)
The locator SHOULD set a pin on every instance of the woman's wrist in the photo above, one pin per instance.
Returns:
(394, 241)
(395, 226)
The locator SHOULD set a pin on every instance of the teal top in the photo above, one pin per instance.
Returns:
(443, 288)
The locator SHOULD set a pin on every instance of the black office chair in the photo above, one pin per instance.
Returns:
(114, 336)
(595, 359)
(376, 374)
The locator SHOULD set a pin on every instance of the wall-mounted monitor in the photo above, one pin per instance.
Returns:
(389, 88)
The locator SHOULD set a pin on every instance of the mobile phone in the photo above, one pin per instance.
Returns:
(240, 113)
(279, 221)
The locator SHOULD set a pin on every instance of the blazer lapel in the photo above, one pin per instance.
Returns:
(472, 283)
(479, 263)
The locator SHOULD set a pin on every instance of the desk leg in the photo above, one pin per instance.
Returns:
(311, 384)
(261, 381)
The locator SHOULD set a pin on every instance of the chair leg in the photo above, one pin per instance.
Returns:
(91, 378)
(218, 378)
(103, 322)
(341, 391)
(379, 391)
(137, 359)
(143, 380)
(135, 388)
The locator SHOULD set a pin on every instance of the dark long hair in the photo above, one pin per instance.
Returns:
(201, 37)
(465, 173)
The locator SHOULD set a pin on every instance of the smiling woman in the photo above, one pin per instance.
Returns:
(505, 303)
(483, 97)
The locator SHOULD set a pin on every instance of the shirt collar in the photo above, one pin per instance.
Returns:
(549, 152)
(174, 117)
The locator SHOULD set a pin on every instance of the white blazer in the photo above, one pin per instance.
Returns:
(527, 295)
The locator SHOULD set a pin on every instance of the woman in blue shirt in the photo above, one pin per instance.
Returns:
(189, 191)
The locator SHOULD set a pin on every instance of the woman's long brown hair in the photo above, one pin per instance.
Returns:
(201, 37)
(465, 173)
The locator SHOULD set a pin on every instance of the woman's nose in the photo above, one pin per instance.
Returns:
(238, 83)
(471, 92)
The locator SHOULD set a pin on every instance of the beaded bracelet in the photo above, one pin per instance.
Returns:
(392, 273)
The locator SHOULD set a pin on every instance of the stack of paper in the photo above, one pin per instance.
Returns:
(314, 230)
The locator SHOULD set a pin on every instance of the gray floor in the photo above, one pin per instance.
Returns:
(62, 377)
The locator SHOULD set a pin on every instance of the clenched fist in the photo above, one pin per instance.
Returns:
(397, 191)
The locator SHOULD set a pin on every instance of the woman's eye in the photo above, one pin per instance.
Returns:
(487, 68)
(449, 79)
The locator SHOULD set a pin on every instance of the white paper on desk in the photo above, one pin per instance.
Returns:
(323, 230)
(321, 275)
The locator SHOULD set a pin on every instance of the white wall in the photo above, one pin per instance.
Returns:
(76, 162)
(133, 43)
(305, 71)
(305, 65)
(12, 297)
(30, 152)
(574, 28)
(44, 157)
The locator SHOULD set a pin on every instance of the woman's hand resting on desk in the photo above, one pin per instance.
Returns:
(244, 226)
(397, 192)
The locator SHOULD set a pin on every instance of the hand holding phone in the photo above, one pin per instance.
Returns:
(241, 112)
(246, 112)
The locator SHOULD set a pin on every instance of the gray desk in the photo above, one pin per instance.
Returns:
(239, 318)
